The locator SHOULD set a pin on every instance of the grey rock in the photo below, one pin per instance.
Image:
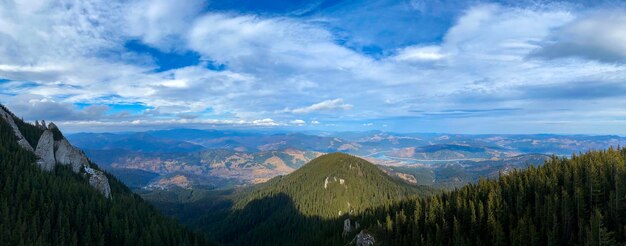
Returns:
(364, 239)
(67, 154)
(347, 227)
(45, 151)
(20, 138)
(98, 180)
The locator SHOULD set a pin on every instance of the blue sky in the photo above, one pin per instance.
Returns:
(405, 66)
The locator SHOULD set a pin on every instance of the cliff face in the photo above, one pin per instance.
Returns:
(20, 138)
(45, 151)
(51, 151)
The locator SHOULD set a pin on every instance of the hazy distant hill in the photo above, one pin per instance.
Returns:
(208, 168)
(218, 158)
(456, 174)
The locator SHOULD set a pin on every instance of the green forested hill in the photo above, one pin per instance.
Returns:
(336, 184)
(61, 208)
(308, 206)
(576, 201)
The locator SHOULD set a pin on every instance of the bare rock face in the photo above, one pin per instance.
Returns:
(67, 154)
(45, 151)
(20, 138)
(51, 152)
(98, 180)
(51, 126)
(364, 239)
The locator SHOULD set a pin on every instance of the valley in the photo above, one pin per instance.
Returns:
(220, 159)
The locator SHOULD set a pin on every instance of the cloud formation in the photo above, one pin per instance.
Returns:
(332, 104)
(599, 36)
(83, 63)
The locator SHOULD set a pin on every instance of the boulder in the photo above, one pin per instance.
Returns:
(45, 151)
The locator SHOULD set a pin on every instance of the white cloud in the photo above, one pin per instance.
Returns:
(161, 23)
(265, 122)
(315, 122)
(600, 36)
(420, 53)
(297, 122)
(333, 104)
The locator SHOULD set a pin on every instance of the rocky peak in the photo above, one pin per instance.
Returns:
(41, 126)
(50, 152)
(51, 126)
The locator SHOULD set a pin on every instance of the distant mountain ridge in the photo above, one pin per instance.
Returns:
(219, 158)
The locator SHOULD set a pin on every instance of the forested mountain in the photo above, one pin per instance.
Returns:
(566, 201)
(575, 201)
(226, 158)
(59, 206)
(336, 184)
(307, 206)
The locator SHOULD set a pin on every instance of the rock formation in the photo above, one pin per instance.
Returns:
(364, 239)
(67, 154)
(51, 152)
(20, 138)
(45, 151)
(99, 181)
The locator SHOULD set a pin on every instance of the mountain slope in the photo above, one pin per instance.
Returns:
(307, 206)
(335, 184)
(575, 201)
(60, 207)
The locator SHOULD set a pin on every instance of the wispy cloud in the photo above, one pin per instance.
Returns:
(332, 104)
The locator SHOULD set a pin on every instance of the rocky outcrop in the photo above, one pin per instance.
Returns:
(51, 152)
(364, 239)
(41, 126)
(51, 126)
(45, 151)
(98, 180)
(67, 154)
(20, 138)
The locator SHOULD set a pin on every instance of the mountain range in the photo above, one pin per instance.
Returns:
(221, 158)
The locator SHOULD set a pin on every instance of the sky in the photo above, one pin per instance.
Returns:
(519, 66)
